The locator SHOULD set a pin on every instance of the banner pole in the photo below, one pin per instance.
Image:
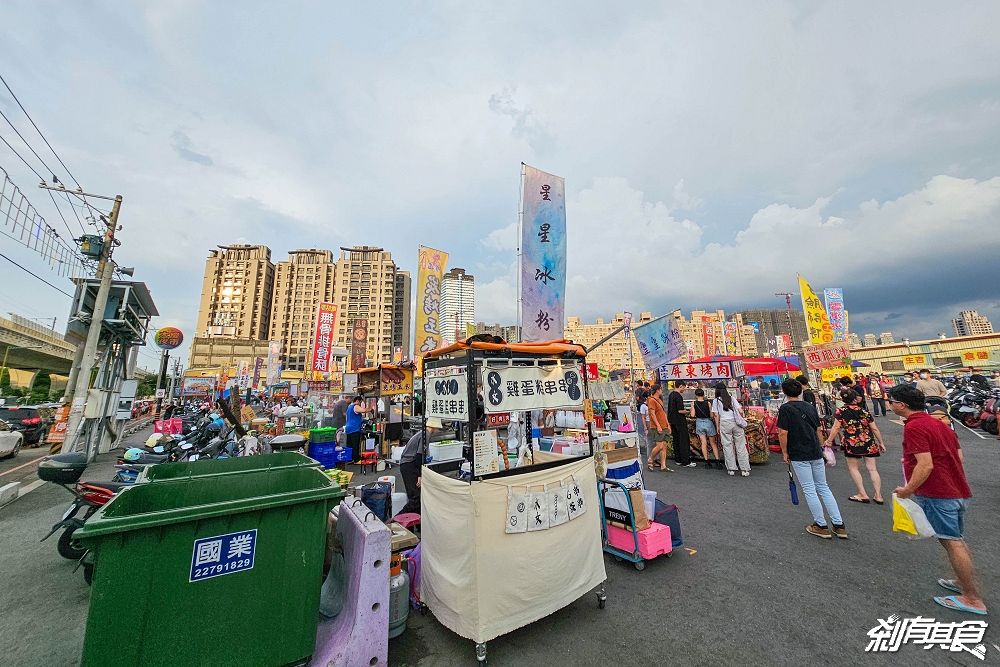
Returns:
(520, 223)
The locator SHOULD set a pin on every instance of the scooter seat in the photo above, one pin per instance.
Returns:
(114, 487)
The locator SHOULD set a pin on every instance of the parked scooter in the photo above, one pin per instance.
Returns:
(66, 470)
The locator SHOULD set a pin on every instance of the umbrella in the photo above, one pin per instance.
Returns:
(791, 486)
(859, 364)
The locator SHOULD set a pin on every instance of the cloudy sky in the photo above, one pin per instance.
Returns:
(711, 150)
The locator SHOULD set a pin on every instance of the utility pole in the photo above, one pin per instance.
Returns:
(161, 381)
(105, 271)
(788, 314)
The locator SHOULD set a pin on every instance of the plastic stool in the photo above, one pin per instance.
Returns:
(368, 459)
(407, 519)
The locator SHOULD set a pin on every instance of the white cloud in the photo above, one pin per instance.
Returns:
(502, 239)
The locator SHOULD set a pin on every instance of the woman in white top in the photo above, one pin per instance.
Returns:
(728, 412)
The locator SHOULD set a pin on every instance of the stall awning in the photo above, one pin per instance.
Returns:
(756, 365)
(561, 346)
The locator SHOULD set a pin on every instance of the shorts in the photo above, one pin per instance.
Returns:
(946, 515)
(704, 427)
(659, 437)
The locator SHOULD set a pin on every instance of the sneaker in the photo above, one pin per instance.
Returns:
(820, 531)
(745, 473)
(731, 472)
(691, 465)
(840, 531)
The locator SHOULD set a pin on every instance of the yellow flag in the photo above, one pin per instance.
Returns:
(431, 264)
(820, 329)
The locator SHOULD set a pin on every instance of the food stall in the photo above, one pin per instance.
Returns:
(503, 547)
(385, 385)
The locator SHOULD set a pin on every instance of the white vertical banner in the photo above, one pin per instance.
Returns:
(660, 341)
(543, 256)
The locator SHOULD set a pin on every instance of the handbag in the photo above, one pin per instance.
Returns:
(740, 419)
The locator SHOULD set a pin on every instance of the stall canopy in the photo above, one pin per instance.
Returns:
(757, 365)
(559, 347)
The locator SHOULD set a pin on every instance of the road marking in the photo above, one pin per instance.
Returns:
(25, 490)
(690, 551)
(23, 465)
(973, 432)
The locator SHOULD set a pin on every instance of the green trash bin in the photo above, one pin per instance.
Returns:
(221, 570)
(163, 471)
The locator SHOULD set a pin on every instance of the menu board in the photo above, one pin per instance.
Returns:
(484, 446)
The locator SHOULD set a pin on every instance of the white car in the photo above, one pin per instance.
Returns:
(10, 441)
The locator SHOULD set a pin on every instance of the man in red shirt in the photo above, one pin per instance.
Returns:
(932, 466)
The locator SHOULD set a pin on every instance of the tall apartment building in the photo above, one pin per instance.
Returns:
(401, 313)
(613, 354)
(886, 338)
(511, 334)
(971, 323)
(458, 304)
(870, 340)
(236, 293)
(366, 289)
(771, 322)
(854, 341)
(705, 334)
(307, 277)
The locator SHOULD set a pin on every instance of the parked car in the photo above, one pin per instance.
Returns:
(28, 420)
(10, 441)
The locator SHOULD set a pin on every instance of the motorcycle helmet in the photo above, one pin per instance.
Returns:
(132, 454)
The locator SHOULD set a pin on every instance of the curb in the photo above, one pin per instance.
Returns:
(9, 493)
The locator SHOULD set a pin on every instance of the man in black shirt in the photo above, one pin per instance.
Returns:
(807, 394)
(799, 435)
(411, 462)
(677, 416)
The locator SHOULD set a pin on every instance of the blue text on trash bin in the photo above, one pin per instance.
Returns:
(223, 554)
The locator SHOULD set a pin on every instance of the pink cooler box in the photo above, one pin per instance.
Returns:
(653, 542)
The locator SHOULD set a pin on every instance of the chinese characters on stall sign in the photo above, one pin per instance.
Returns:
(893, 632)
(720, 370)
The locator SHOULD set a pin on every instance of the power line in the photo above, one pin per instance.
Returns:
(35, 275)
(25, 141)
(40, 132)
(22, 159)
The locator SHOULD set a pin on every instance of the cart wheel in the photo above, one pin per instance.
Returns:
(641, 565)
(670, 554)
(423, 609)
(481, 653)
(601, 602)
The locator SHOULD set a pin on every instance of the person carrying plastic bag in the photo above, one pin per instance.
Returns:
(932, 466)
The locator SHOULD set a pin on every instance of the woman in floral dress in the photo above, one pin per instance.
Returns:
(861, 439)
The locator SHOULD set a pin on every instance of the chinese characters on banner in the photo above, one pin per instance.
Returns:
(834, 297)
(243, 375)
(973, 356)
(326, 320)
(397, 355)
(915, 360)
(543, 256)
(708, 335)
(359, 344)
(660, 341)
(715, 370)
(396, 381)
(257, 364)
(830, 355)
(273, 362)
(732, 338)
(820, 329)
(430, 269)
(447, 396)
(520, 388)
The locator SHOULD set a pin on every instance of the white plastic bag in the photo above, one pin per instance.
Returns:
(538, 512)
(517, 512)
(909, 518)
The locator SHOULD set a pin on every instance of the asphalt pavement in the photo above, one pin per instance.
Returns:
(749, 586)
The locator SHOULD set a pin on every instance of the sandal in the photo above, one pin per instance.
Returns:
(949, 584)
(649, 464)
(879, 502)
(953, 603)
(858, 499)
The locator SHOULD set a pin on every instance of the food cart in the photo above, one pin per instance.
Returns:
(504, 545)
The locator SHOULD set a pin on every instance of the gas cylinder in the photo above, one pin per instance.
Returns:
(399, 596)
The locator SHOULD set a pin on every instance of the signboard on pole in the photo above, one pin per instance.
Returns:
(628, 325)
(834, 298)
(820, 329)
(257, 364)
(243, 375)
(359, 346)
(732, 338)
(543, 256)
(447, 396)
(660, 341)
(431, 264)
(326, 320)
(714, 370)
(829, 355)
